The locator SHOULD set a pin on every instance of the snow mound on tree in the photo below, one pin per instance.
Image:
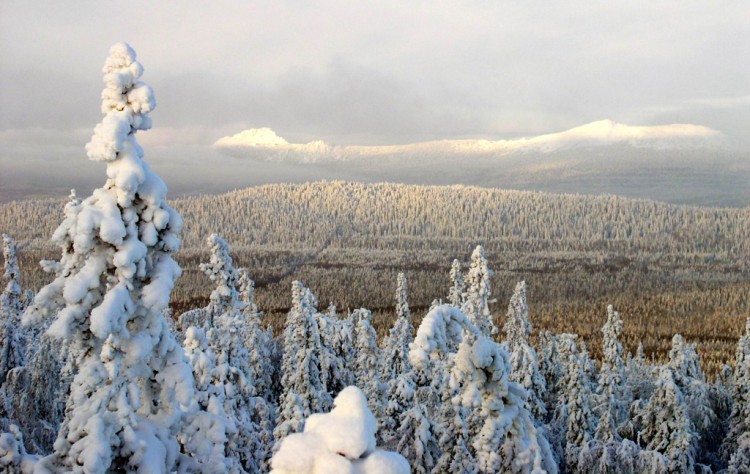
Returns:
(342, 441)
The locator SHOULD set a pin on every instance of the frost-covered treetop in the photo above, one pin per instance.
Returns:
(612, 329)
(220, 269)
(442, 325)
(402, 305)
(11, 260)
(12, 289)
(517, 326)
(126, 102)
(342, 441)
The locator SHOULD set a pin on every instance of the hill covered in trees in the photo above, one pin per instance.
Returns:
(667, 267)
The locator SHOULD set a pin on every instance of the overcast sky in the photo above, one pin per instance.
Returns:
(382, 72)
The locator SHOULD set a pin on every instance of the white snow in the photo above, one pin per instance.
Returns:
(339, 442)
(264, 143)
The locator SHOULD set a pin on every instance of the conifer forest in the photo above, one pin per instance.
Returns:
(340, 327)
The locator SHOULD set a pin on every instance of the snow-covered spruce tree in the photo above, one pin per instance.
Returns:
(402, 296)
(612, 395)
(336, 350)
(685, 364)
(641, 376)
(396, 364)
(564, 346)
(303, 387)
(11, 338)
(524, 363)
(550, 370)
(367, 363)
(739, 420)
(340, 441)
(127, 398)
(417, 438)
(478, 295)
(225, 296)
(666, 426)
(507, 440)
(232, 377)
(458, 286)
(579, 418)
(205, 435)
(259, 344)
(41, 403)
(220, 269)
(454, 442)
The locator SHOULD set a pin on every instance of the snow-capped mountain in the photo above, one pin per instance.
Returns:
(265, 144)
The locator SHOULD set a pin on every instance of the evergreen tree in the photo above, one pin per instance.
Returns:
(303, 387)
(132, 383)
(367, 363)
(206, 434)
(550, 371)
(454, 441)
(337, 350)
(523, 358)
(233, 379)
(258, 341)
(220, 269)
(580, 419)
(43, 400)
(417, 439)
(458, 286)
(396, 365)
(479, 292)
(739, 462)
(612, 397)
(11, 338)
(507, 439)
(666, 426)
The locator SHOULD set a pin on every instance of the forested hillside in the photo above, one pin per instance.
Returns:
(668, 267)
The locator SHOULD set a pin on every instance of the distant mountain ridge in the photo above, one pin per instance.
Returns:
(265, 144)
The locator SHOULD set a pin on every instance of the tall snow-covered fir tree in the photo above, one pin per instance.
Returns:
(477, 304)
(337, 350)
(204, 436)
(579, 418)
(396, 363)
(453, 441)
(12, 348)
(303, 386)
(665, 424)
(42, 400)
(612, 394)
(126, 401)
(524, 362)
(458, 286)
(368, 357)
(506, 438)
(688, 376)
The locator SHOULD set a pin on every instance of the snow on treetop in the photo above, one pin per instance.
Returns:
(125, 104)
(342, 441)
